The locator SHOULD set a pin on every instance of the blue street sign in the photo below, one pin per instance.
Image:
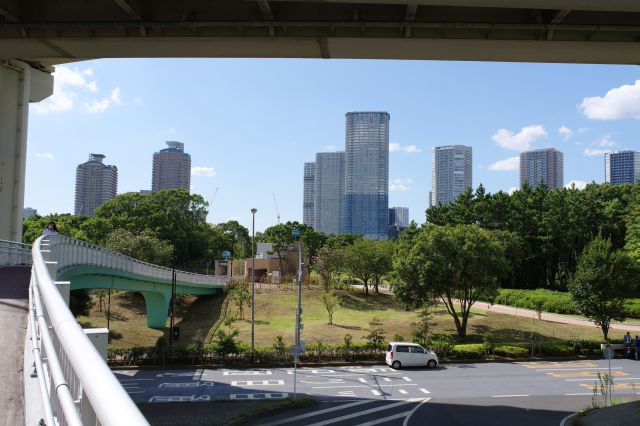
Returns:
(295, 232)
(226, 254)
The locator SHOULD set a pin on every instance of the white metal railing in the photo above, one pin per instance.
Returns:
(69, 252)
(76, 384)
(13, 253)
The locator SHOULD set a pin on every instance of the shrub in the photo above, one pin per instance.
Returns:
(555, 349)
(511, 351)
(470, 351)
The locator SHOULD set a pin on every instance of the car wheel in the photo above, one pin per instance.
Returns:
(395, 365)
(432, 363)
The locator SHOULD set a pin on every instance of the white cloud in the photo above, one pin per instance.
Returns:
(620, 102)
(520, 141)
(512, 163)
(138, 101)
(396, 147)
(592, 152)
(45, 155)
(400, 184)
(70, 84)
(605, 141)
(579, 184)
(512, 190)
(203, 171)
(565, 132)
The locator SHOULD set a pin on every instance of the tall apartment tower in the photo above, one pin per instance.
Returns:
(399, 217)
(542, 165)
(622, 167)
(96, 183)
(451, 172)
(367, 174)
(171, 168)
(329, 192)
(309, 194)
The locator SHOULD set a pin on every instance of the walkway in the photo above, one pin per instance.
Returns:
(14, 305)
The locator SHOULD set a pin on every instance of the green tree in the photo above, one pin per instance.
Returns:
(330, 303)
(327, 264)
(236, 239)
(376, 336)
(241, 296)
(359, 261)
(601, 283)
(144, 246)
(459, 265)
(381, 264)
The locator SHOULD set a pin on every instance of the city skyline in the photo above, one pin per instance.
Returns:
(542, 165)
(249, 138)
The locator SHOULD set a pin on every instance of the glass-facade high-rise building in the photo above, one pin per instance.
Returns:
(451, 173)
(329, 181)
(367, 174)
(622, 167)
(171, 168)
(542, 165)
(399, 217)
(309, 194)
(96, 183)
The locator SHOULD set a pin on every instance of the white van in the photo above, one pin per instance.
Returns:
(405, 354)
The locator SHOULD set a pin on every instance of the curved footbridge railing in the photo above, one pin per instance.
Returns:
(76, 385)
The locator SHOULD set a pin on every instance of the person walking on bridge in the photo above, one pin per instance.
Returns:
(51, 229)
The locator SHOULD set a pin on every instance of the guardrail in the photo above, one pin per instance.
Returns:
(14, 254)
(76, 385)
(69, 252)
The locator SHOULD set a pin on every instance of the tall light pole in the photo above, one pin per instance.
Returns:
(253, 279)
(297, 348)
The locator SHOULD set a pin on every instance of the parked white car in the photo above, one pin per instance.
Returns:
(406, 354)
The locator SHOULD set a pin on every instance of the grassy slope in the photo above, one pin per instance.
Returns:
(275, 315)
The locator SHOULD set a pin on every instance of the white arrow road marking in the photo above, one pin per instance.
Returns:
(364, 413)
(423, 390)
(317, 413)
(257, 383)
(185, 385)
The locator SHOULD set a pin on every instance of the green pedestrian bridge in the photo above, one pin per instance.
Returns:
(75, 265)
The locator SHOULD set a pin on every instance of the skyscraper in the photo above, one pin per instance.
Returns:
(96, 183)
(329, 192)
(622, 167)
(309, 194)
(367, 174)
(451, 172)
(542, 165)
(171, 168)
(399, 216)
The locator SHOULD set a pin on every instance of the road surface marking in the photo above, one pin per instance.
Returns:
(310, 371)
(402, 391)
(176, 374)
(363, 413)
(363, 380)
(330, 381)
(133, 380)
(423, 390)
(507, 396)
(257, 383)
(407, 379)
(556, 364)
(362, 386)
(346, 393)
(587, 374)
(269, 395)
(180, 398)
(617, 379)
(376, 392)
(386, 419)
(406, 419)
(129, 391)
(186, 385)
(318, 413)
(578, 394)
(247, 373)
(386, 379)
(578, 369)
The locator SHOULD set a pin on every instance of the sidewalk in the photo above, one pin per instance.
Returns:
(527, 313)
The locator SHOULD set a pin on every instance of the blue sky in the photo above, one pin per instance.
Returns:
(249, 124)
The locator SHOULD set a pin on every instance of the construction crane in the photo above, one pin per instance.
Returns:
(277, 211)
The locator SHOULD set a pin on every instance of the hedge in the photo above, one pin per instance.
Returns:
(510, 351)
(470, 351)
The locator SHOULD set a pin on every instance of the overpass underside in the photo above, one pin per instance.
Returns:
(47, 32)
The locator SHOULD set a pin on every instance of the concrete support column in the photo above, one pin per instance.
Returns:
(19, 85)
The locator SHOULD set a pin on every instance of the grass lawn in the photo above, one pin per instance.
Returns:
(275, 315)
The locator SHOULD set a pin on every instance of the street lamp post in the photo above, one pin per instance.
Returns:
(253, 280)
(297, 348)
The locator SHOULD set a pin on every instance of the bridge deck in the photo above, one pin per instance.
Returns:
(14, 306)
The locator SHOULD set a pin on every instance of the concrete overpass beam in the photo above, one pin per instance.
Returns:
(19, 85)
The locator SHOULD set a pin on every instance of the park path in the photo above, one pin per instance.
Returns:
(528, 313)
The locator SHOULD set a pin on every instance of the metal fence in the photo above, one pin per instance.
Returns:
(14, 254)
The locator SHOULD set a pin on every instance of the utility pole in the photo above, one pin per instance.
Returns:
(253, 280)
(276, 204)
(297, 349)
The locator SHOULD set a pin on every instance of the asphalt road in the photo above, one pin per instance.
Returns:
(524, 393)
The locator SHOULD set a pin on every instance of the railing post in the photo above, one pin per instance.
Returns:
(52, 268)
(99, 337)
(64, 287)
